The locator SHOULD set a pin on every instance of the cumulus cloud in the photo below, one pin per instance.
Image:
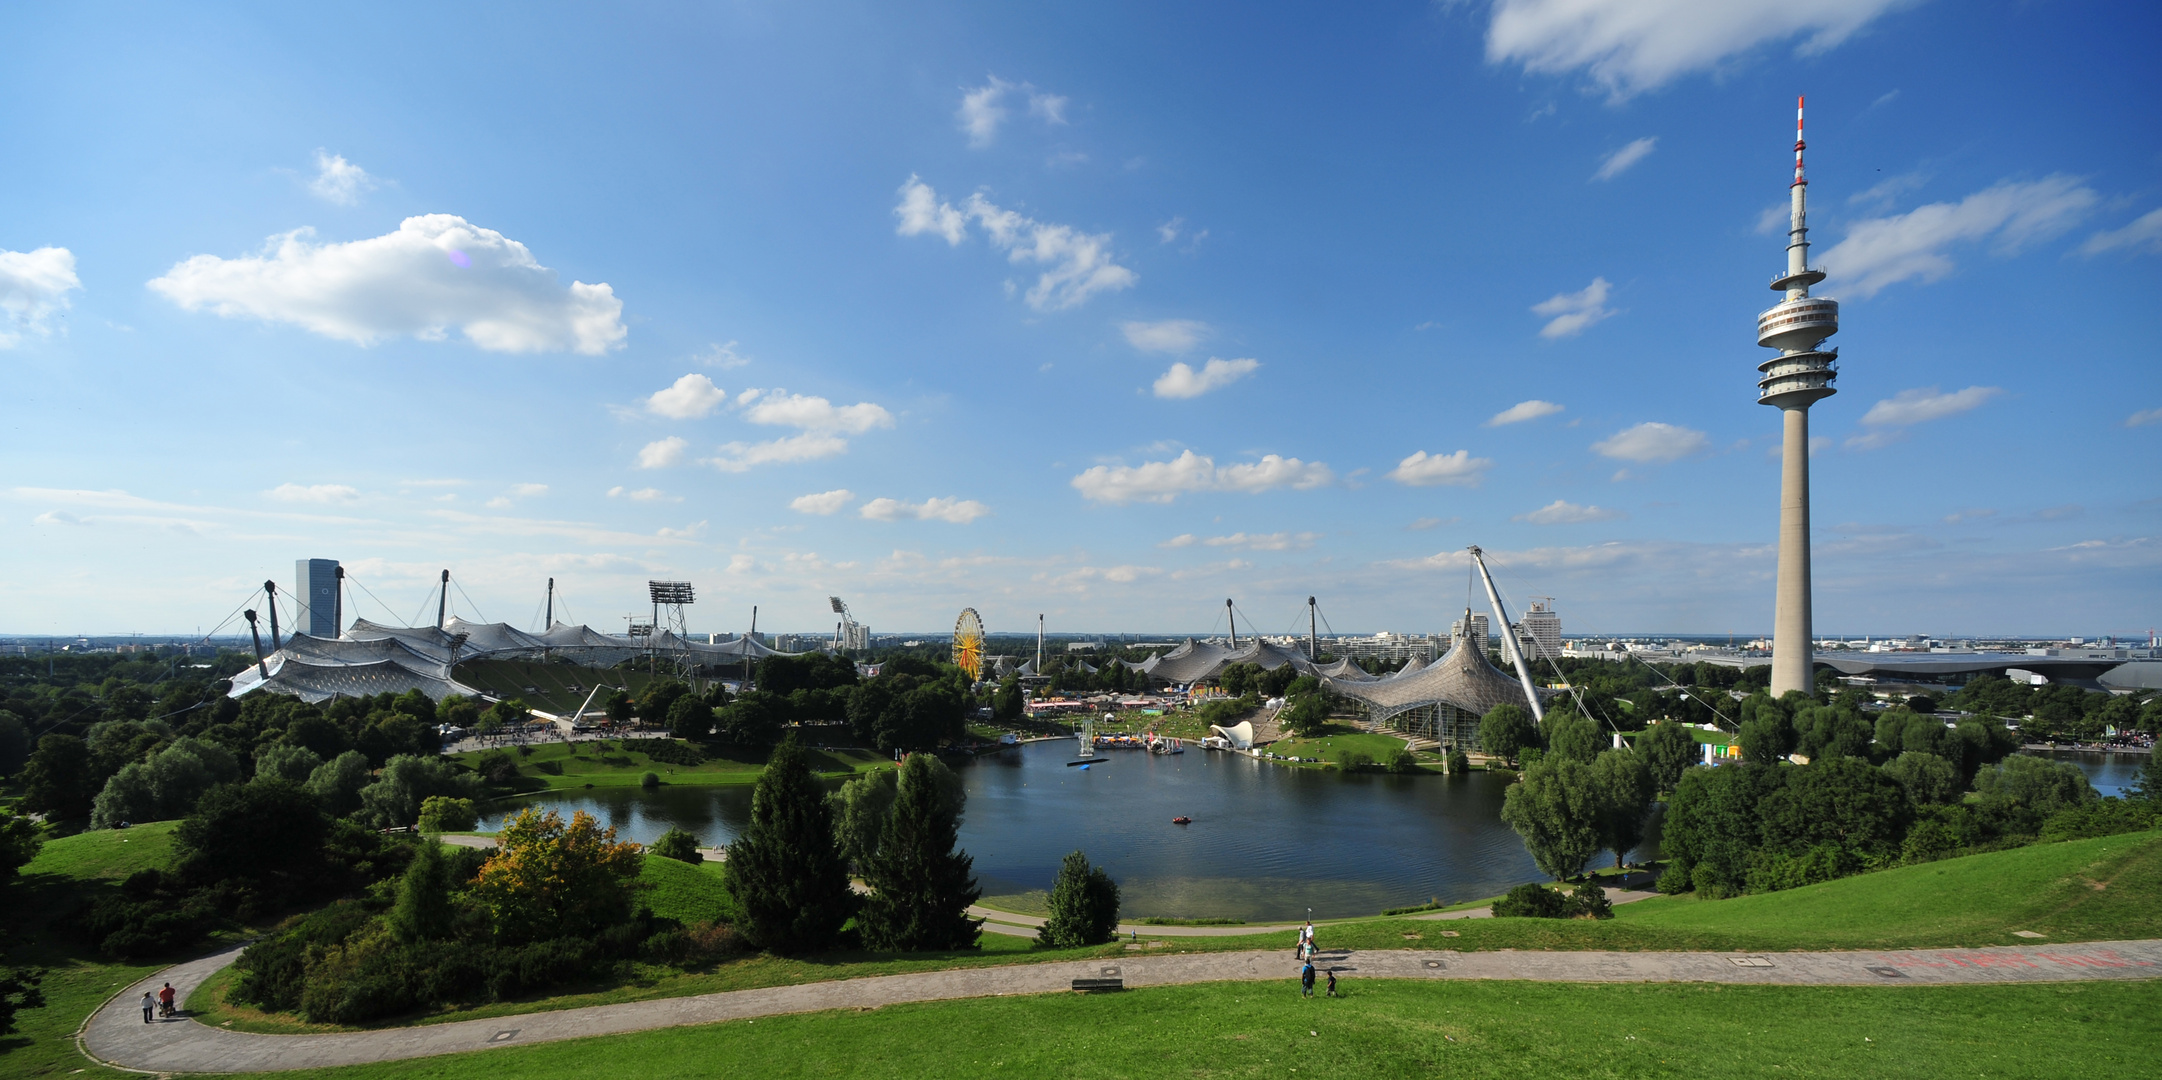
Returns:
(983, 108)
(2143, 235)
(738, 457)
(1077, 265)
(822, 503)
(338, 180)
(1619, 161)
(782, 409)
(1570, 313)
(690, 398)
(1184, 382)
(435, 273)
(1179, 541)
(312, 493)
(957, 511)
(662, 453)
(1522, 411)
(1629, 46)
(1889, 417)
(1164, 481)
(1459, 469)
(1165, 335)
(1884, 251)
(1652, 442)
(1563, 512)
(34, 285)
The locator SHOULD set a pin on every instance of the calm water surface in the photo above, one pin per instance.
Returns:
(2111, 774)
(1266, 842)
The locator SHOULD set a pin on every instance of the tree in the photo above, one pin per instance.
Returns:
(1668, 749)
(2023, 790)
(18, 991)
(295, 763)
(406, 782)
(423, 910)
(443, 813)
(164, 787)
(1084, 906)
(690, 718)
(655, 703)
(1625, 790)
(1571, 736)
(921, 887)
(1554, 808)
(266, 831)
(552, 879)
(784, 870)
(678, 845)
(20, 840)
(1506, 731)
(1306, 714)
(1007, 703)
(860, 809)
(755, 718)
(57, 780)
(619, 707)
(14, 744)
(337, 783)
(1930, 780)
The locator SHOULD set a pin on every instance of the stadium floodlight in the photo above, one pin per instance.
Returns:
(670, 592)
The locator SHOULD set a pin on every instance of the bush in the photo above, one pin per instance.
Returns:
(1772, 871)
(672, 752)
(497, 767)
(440, 813)
(1353, 761)
(1459, 763)
(1531, 902)
(678, 845)
(1403, 761)
(2104, 817)
(694, 946)
(1588, 901)
(650, 780)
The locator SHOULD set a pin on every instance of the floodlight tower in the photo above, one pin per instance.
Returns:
(1800, 376)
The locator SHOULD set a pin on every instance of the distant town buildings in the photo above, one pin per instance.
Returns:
(1542, 625)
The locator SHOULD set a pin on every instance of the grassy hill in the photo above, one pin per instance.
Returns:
(625, 762)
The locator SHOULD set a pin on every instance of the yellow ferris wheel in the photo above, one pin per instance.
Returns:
(968, 643)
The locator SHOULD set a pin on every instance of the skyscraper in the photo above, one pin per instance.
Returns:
(315, 589)
(1800, 376)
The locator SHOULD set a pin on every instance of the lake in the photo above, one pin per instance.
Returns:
(1267, 842)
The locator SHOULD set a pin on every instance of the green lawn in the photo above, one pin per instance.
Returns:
(622, 763)
(1393, 1029)
(1337, 741)
(684, 892)
(77, 980)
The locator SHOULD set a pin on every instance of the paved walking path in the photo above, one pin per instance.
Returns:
(1015, 925)
(117, 1035)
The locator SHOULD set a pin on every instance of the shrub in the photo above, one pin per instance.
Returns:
(1403, 761)
(1353, 761)
(1588, 901)
(441, 813)
(2104, 817)
(1084, 906)
(1459, 763)
(553, 878)
(1772, 871)
(678, 845)
(1531, 902)
(650, 780)
(672, 752)
(497, 767)
(694, 946)
(273, 972)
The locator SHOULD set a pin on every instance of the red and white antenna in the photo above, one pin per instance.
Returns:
(1799, 145)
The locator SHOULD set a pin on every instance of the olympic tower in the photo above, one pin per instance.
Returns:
(1800, 376)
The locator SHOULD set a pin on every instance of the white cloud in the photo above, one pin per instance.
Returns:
(688, 532)
(1775, 218)
(690, 398)
(1924, 404)
(2143, 418)
(2143, 235)
(662, 453)
(1573, 312)
(1629, 46)
(957, 511)
(33, 286)
(983, 108)
(1164, 481)
(434, 273)
(738, 457)
(338, 180)
(528, 490)
(722, 356)
(1165, 335)
(1425, 523)
(825, 502)
(1881, 194)
(1184, 382)
(1563, 512)
(1652, 442)
(1179, 541)
(1619, 161)
(1168, 232)
(1522, 411)
(312, 493)
(57, 517)
(1459, 469)
(642, 494)
(783, 409)
(1078, 265)
(1277, 541)
(1885, 251)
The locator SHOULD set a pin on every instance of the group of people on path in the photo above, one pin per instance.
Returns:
(162, 1004)
(1305, 953)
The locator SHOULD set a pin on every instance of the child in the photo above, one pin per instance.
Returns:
(1332, 982)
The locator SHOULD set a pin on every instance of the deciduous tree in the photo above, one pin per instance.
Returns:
(553, 879)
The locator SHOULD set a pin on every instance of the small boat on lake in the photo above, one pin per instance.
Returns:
(1182, 820)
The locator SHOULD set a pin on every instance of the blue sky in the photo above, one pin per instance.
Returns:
(1107, 312)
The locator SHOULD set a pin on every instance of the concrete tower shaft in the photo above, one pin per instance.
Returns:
(1800, 376)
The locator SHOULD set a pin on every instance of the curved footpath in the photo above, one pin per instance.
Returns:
(116, 1034)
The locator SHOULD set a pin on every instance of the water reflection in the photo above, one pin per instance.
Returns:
(2111, 774)
(1265, 842)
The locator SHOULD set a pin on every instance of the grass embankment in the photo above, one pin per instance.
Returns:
(1335, 742)
(624, 763)
(67, 872)
(1393, 1029)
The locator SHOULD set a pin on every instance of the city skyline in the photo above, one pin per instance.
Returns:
(1061, 312)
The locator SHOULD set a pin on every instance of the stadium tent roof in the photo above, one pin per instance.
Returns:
(1461, 678)
(1411, 667)
(1200, 661)
(370, 658)
(1346, 668)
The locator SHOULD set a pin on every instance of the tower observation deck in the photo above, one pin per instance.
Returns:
(1800, 376)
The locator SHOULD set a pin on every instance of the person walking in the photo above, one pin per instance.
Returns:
(1306, 980)
(148, 1005)
(165, 1000)
(1332, 982)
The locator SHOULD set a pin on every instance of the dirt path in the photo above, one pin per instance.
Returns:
(116, 1034)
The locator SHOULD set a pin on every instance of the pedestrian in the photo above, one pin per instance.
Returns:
(1332, 982)
(148, 1005)
(165, 1000)
(1306, 980)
